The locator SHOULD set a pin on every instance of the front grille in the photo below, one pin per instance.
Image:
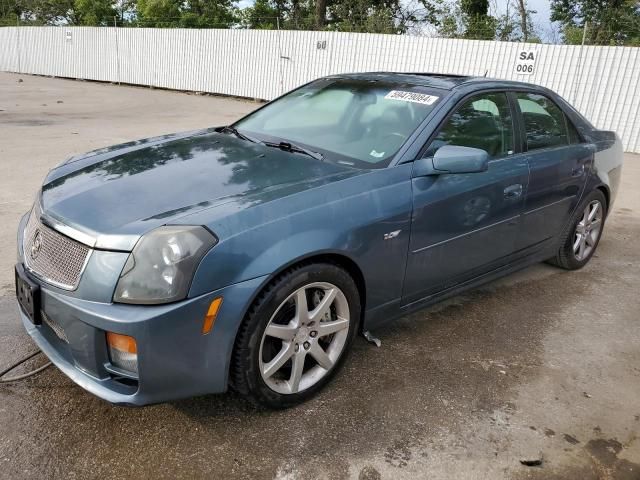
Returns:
(51, 256)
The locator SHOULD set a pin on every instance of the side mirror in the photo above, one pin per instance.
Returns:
(453, 159)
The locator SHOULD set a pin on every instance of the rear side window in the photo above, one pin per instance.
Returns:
(544, 122)
(484, 121)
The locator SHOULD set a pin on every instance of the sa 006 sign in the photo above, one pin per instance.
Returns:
(526, 62)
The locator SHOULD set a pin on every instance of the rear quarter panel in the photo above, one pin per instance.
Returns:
(608, 161)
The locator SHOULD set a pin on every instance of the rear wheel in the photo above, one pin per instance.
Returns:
(296, 335)
(580, 239)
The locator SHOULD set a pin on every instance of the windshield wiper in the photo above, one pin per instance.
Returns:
(284, 145)
(234, 131)
(292, 147)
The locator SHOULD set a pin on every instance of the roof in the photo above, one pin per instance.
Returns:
(436, 80)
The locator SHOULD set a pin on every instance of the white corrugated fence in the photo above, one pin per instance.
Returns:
(601, 82)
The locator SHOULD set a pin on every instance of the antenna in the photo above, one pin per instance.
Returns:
(485, 72)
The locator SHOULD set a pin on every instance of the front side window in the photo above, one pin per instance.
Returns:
(544, 121)
(484, 122)
(360, 123)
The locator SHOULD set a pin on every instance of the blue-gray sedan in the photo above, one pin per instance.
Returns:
(251, 255)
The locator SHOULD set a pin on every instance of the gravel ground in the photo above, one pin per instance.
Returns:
(543, 364)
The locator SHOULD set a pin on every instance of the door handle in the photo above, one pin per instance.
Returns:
(513, 191)
(578, 171)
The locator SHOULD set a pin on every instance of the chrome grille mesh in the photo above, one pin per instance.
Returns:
(54, 258)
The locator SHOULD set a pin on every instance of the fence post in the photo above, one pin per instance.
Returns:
(115, 29)
(280, 56)
(579, 67)
(18, 42)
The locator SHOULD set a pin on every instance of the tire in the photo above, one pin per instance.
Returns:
(567, 257)
(265, 367)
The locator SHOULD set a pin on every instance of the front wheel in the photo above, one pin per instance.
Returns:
(580, 239)
(296, 335)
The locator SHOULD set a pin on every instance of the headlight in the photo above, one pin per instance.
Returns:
(162, 265)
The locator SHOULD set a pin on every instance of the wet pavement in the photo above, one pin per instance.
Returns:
(541, 365)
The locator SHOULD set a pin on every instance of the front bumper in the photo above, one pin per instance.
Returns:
(175, 360)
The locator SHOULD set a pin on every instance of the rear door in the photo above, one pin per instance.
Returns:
(558, 162)
(466, 224)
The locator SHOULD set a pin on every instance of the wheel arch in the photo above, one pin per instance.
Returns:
(607, 195)
(340, 259)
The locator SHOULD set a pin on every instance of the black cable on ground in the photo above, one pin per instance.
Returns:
(24, 375)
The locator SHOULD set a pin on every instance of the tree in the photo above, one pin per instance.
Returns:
(207, 13)
(515, 23)
(94, 12)
(476, 19)
(372, 16)
(159, 13)
(8, 12)
(67, 12)
(45, 12)
(262, 15)
(187, 14)
(288, 14)
(607, 22)
(524, 14)
(321, 13)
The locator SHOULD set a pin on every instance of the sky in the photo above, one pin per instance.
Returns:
(543, 8)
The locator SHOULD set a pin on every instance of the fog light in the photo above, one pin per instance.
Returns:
(123, 352)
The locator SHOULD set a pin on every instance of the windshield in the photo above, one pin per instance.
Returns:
(361, 123)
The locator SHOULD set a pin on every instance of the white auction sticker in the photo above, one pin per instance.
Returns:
(411, 97)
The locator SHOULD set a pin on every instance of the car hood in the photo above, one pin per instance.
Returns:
(116, 194)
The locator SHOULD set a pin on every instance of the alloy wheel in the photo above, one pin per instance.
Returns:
(304, 338)
(588, 231)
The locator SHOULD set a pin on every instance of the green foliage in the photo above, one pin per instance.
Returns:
(94, 12)
(159, 13)
(8, 12)
(262, 15)
(191, 14)
(474, 8)
(373, 16)
(449, 26)
(608, 22)
(480, 27)
(572, 35)
(365, 16)
(43, 12)
(469, 19)
(512, 27)
(208, 14)
(478, 24)
(449, 18)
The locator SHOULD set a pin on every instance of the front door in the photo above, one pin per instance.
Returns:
(466, 224)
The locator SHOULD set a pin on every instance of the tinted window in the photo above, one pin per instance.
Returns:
(483, 122)
(544, 122)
